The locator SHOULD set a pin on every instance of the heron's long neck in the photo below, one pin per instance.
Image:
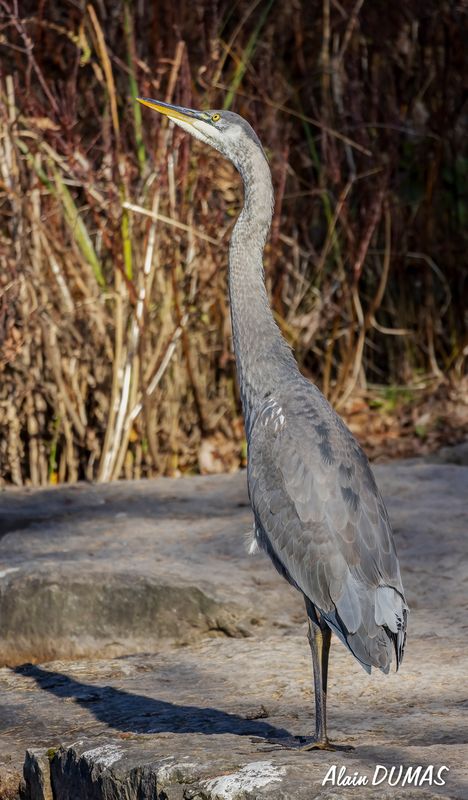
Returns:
(263, 358)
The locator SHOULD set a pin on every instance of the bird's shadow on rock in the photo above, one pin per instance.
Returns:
(135, 713)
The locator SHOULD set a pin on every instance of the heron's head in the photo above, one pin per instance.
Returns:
(227, 132)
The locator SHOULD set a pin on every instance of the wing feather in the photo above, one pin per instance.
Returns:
(321, 518)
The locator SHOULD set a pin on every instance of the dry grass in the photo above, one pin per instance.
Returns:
(116, 357)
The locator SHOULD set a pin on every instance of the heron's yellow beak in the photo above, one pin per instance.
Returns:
(174, 112)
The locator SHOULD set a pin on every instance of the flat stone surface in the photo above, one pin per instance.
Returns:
(208, 715)
(101, 571)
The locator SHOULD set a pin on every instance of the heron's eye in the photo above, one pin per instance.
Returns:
(215, 117)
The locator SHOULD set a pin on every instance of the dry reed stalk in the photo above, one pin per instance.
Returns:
(114, 233)
(146, 280)
(121, 373)
(126, 361)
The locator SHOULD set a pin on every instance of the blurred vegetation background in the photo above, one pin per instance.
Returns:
(116, 356)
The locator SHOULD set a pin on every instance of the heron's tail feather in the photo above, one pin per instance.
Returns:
(382, 628)
(391, 612)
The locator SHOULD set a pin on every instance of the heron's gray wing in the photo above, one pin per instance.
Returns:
(321, 518)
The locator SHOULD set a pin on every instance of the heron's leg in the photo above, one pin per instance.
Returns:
(319, 636)
(319, 639)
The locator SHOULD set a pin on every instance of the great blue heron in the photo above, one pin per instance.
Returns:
(318, 512)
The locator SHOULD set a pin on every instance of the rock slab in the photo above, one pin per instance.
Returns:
(211, 713)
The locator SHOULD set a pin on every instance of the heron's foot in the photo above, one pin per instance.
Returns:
(305, 743)
(311, 743)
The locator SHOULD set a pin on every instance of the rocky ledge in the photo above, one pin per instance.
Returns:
(145, 655)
